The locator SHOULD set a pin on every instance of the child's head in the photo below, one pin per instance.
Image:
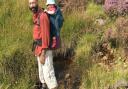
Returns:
(50, 2)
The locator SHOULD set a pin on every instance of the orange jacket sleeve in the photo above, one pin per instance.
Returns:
(45, 30)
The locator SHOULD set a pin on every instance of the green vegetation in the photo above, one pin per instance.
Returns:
(81, 32)
(97, 75)
(16, 60)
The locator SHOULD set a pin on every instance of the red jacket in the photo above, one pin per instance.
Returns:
(41, 31)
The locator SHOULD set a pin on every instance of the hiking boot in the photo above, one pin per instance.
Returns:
(44, 86)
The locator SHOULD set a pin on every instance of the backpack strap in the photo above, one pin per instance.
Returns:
(38, 19)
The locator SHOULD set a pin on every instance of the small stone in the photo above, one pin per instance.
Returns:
(67, 76)
(100, 21)
(105, 58)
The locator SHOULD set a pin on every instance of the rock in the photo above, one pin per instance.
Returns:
(67, 76)
(100, 21)
(100, 54)
(105, 58)
(67, 81)
(120, 84)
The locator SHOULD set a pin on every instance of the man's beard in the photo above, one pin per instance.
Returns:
(34, 9)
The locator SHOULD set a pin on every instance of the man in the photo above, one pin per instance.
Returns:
(41, 36)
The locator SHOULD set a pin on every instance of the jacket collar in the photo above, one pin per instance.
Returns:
(35, 15)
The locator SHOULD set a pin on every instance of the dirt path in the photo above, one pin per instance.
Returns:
(68, 74)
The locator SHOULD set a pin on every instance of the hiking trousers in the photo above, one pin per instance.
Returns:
(46, 71)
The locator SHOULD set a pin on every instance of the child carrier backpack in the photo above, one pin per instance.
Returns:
(56, 23)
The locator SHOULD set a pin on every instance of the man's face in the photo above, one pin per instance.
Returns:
(33, 5)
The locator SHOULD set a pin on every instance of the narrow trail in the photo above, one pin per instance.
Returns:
(68, 74)
(61, 69)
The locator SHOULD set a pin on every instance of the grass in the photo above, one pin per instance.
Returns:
(94, 10)
(18, 68)
(15, 45)
(99, 78)
(96, 75)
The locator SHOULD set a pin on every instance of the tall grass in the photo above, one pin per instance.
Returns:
(16, 59)
(80, 32)
(97, 76)
(18, 68)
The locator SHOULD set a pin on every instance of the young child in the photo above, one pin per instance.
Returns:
(56, 22)
(51, 7)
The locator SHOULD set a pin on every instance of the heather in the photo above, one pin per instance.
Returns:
(116, 7)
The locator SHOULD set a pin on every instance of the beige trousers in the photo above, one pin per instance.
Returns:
(46, 71)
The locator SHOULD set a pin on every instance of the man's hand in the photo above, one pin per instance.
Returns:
(42, 57)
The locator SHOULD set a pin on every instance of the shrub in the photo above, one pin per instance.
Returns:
(122, 31)
(116, 7)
